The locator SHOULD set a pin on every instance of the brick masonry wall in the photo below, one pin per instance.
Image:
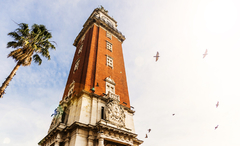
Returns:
(117, 73)
(93, 67)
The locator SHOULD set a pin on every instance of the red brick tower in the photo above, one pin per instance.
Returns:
(95, 108)
(98, 55)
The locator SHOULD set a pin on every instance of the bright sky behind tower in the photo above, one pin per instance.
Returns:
(181, 82)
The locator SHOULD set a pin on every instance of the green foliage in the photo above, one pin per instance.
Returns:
(28, 43)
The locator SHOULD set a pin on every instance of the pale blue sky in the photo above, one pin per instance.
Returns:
(181, 82)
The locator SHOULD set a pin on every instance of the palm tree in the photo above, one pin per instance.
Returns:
(27, 44)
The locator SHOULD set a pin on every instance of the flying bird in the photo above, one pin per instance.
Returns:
(157, 56)
(149, 130)
(217, 104)
(216, 127)
(205, 54)
(146, 136)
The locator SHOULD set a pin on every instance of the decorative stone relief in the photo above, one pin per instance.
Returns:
(115, 113)
(113, 96)
(76, 65)
(70, 90)
(80, 49)
(110, 80)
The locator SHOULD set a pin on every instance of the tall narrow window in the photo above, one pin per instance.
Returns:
(109, 61)
(65, 116)
(102, 113)
(109, 46)
(62, 144)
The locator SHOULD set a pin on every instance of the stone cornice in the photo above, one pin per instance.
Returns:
(78, 125)
(68, 129)
(103, 97)
(129, 110)
(63, 128)
(101, 125)
(138, 141)
(98, 21)
(117, 135)
(57, 128)
(106, 14)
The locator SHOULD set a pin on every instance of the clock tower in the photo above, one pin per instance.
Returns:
(95, 109)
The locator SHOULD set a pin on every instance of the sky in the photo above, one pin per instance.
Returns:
(181, 82)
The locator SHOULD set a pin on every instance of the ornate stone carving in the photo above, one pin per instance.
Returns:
(110, 80)
(113, 96)
(115, 113)
(57, 117)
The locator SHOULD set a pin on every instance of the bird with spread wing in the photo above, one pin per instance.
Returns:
(157, 56)
(217, 104)
(205, 54)
(149, 130)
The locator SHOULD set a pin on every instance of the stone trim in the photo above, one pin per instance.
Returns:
(56, 129)
(110, 80)
(137, 141)
(101, 97)
(107, 126)
(116, 135)
(98, 21)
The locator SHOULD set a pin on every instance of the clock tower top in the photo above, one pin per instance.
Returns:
(103, 14)
(100, 16)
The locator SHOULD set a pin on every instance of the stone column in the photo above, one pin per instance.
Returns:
(57, 140)
(67, 142)
(94, 111)
(100, 141)
(90, 140)
(56, 143)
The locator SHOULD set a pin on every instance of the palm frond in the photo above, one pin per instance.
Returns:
(52, 46)
(37, 59)
(45, 53)
(23, 30)
(15, 53)
(15, 35)
(14, 44)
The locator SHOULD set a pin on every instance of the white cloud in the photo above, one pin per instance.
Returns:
(6, 140)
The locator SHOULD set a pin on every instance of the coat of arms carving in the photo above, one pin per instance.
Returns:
(115, 113)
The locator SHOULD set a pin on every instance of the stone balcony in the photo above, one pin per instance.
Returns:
(112, 96)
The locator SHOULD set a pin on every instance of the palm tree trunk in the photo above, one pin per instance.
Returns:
(8, 79)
